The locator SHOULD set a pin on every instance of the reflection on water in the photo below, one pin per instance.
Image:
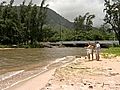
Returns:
(17, 59)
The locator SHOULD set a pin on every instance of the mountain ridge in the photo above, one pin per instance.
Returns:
(53, 18)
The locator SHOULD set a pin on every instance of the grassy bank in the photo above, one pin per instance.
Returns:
(112, 50)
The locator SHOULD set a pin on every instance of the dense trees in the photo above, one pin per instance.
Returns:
(84, 22)
(84, 29)
(112, 17)
(23, 24)
(26, 24)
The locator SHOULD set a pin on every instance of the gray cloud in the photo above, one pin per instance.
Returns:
(72, 8)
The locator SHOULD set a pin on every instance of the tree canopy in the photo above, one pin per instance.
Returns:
(112, 17)
(26, 24)
(22, 24)
(84, 22)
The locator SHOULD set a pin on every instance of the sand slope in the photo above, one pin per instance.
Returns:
(34, 83)
(80, 74)
(86, 75)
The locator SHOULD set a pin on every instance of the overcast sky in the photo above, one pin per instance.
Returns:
(73, 8)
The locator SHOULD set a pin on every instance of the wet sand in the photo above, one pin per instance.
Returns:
(38, 76)
(34, 83)
(79, 74)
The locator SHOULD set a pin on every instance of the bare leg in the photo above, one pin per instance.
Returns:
(97, 56)
(92, 55)
(89, 56)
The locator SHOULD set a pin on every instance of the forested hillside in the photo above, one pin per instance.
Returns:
(31, 24)
(55, 19)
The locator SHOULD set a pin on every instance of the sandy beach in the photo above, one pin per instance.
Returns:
(35, 83)
(23, 80)
(79, 74)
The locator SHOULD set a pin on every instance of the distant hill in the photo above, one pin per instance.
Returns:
(56, 20)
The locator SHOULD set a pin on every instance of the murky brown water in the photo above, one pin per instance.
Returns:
(26, 59)
(17, 65)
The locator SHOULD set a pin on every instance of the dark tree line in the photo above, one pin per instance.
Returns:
(26, 24)
(22, 24)
(112, 17)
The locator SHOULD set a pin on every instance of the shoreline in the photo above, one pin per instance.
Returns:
(32, 82)
(28, 75)
(86, 75)
(77, 74)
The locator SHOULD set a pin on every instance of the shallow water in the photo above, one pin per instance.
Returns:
(27, 59)
(17, 65)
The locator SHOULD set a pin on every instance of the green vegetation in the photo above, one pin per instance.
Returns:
(112, 50)
(84, 29)
(54, 20)
(23, 24)
(28, 25)
(112, 17)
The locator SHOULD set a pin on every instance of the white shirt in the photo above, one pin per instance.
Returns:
(98, 46)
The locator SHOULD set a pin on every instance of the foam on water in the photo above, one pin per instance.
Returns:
(59, 59)
(10, 74)
(23, 80)
(44, 69)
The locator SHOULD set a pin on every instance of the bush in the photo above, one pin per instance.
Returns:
(4, 46)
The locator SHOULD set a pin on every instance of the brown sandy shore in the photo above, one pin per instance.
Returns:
(19, 78)
(35, 83)
(79, 74)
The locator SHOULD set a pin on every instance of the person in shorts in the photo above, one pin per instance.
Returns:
(89, 49)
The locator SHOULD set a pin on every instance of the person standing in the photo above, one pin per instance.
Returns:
(89, 49)
(97, 50)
